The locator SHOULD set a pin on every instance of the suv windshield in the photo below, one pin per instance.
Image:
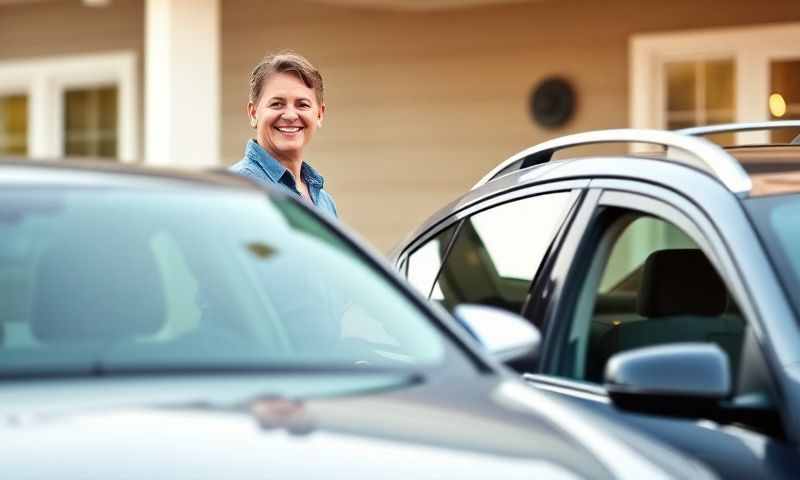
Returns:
(777, 219)
(109, 279)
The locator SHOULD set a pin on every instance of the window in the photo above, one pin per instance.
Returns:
(746, 74)
(81, 106)
(90, 122)
(784, 98)
(701, 93)
(13, 125)
(649, 284)
(424, 263)
(252, 282)
(498, 251)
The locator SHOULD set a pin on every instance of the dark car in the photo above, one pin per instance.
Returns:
(197, 326)
(665, 284)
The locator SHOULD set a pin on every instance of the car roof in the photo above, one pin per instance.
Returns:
(70, 173)
(772, 169)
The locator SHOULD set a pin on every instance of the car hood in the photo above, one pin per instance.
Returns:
(138, 430)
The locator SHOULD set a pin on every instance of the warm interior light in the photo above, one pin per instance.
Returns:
(777, 105)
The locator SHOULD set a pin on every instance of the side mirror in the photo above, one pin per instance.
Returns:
(683, 379)
(507, 336)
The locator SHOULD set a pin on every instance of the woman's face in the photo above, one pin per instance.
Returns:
(286, 116)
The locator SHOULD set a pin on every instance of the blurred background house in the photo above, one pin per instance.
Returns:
(423, 96)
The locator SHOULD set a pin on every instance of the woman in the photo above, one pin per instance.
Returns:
(286, 108)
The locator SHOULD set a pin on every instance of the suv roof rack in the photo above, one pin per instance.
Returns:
(698, 152)
(741, 127)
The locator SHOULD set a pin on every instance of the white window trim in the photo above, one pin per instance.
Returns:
(751, 47)
(44, 80)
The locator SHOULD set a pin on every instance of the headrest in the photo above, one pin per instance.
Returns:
(680, 282)
(97, 288)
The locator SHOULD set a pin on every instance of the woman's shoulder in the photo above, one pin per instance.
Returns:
(247, 168)
(325, 200)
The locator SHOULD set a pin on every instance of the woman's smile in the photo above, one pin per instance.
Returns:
(289, 130)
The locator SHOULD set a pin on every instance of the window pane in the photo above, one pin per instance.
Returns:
(653, 286)
(498, 251)
(640, 238)
(701, 93)
(90, 122)
(424, 262)
(720, 98)
(785, 82)
(719, 87)
(678, 124)
(14, 125)
(681, 86)
(253, 282)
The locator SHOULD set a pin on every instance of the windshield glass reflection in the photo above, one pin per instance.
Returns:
(100, 279)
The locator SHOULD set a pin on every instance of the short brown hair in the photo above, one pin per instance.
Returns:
(284, 62)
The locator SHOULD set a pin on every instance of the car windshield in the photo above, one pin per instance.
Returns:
(777, 219)
(104, 280)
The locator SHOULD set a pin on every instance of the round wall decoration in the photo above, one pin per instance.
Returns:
(552, 102)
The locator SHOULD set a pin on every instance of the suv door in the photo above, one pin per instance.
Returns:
(638, 270)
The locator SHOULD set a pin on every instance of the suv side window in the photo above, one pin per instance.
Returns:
(649, 284)
(498, 251)
(424, 263)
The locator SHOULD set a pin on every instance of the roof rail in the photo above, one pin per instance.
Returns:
(700, 152)
(739, 127)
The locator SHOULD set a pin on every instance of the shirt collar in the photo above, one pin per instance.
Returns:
(273, 168)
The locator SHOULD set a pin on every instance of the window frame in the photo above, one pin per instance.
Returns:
(574, 187)
(576, 255)
(482, 203)
(750, 47)
(571, 199)
(44, 81)
(405, 261)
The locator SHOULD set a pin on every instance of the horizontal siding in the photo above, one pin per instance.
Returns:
(66, 27)
(421, 105)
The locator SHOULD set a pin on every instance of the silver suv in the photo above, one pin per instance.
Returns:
(666, 284)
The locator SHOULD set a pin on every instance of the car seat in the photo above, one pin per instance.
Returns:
(681, 299)
(92, 288)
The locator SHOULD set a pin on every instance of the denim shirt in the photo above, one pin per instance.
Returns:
(260, 165)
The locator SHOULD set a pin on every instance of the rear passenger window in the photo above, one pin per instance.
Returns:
(498, 251)
(653, 286)
(424, 263)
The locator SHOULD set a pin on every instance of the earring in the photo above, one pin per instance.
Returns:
(253, 123)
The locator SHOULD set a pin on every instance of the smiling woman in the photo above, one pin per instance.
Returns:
(285, 108)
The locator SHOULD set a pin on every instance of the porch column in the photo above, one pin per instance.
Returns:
(182, 95)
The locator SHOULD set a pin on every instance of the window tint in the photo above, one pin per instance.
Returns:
(424, 263)
(498, 251)
(652, 285)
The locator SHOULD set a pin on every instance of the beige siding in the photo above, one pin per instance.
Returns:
(421, 105)
(57, 28)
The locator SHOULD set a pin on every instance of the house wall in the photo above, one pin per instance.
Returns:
(54, 28)
(422, 105)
